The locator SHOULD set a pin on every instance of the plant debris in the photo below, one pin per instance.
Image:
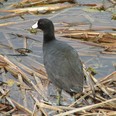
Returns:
(104, 99)
(34, 10)
(23, 51)
(24, 86)
(31, 3)
(105, 40)
(114, 17)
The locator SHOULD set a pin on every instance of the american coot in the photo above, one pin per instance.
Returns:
(61, 61)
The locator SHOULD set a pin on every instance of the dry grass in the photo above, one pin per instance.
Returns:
(31, 96)
(99, 97)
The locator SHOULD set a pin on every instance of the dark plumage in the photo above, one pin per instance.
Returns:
(61, 61)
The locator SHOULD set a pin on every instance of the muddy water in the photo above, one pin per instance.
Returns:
(90, 55)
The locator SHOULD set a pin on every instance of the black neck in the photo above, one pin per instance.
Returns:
(48, 36)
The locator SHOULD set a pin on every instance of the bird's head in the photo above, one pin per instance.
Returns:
(44, 24)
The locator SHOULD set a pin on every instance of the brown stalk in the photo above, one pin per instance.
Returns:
(87, 107)
(13, 15)
(32, 72)
(22, 11)
(42, 105)
(22, 108)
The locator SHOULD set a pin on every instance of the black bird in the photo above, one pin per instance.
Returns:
(61, 61)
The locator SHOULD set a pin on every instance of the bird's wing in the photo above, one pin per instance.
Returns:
(64, 68)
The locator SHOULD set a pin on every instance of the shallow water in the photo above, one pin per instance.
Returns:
(90, 55)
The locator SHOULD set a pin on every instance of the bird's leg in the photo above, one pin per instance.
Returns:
(74, 97)
(59, 91)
